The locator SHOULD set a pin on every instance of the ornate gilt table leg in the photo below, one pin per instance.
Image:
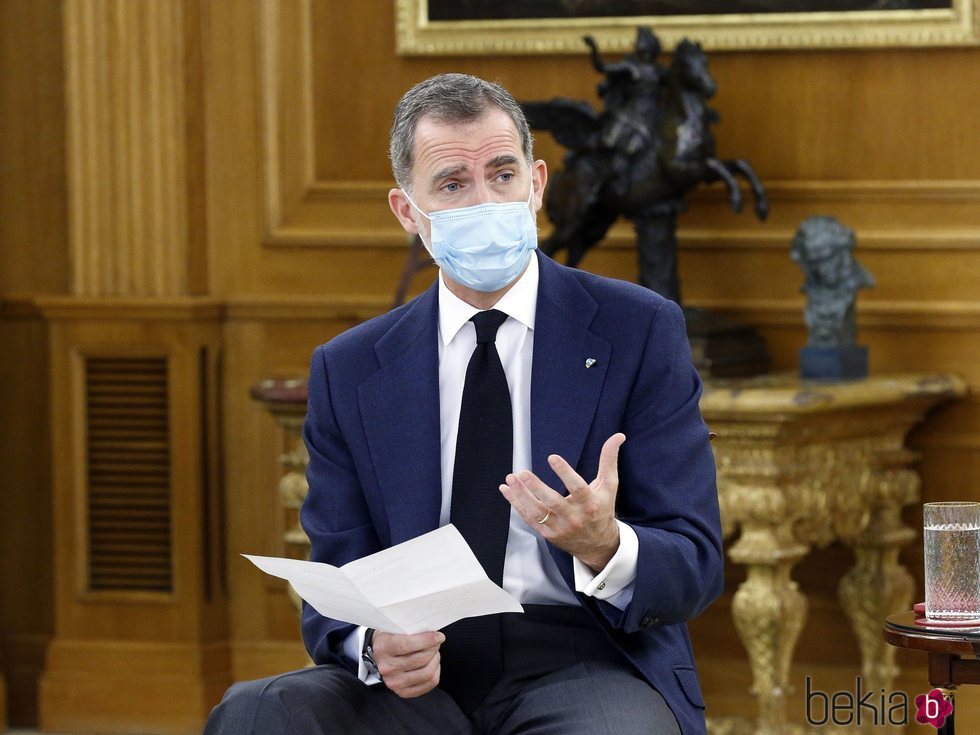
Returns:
(292, 492)
(286, 401)
(769, 610)
(877, 585)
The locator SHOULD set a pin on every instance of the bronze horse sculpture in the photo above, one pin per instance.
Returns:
(637, 158)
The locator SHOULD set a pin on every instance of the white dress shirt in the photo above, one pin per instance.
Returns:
(530, 573)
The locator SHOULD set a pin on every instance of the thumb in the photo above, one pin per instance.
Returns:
(609, 457)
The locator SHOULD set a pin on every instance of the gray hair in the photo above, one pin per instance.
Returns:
(448, 99)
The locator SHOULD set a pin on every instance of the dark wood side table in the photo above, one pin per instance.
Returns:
(945, 648)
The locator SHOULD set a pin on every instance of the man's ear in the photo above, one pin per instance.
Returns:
(402, 210)
(539, 175)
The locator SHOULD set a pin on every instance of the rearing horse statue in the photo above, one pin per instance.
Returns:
(651, 143)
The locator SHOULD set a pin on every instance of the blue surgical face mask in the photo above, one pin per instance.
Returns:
(483, 247)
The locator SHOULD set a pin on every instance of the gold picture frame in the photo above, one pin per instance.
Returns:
(417, 34)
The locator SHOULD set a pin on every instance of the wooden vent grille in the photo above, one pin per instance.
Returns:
(128, 453)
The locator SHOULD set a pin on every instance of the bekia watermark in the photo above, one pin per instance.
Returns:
(933, 708)
(873, 707)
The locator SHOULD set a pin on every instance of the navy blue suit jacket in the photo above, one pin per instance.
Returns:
(372, 430)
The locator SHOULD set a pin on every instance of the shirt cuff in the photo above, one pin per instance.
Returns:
(618, 576)
(353, 645)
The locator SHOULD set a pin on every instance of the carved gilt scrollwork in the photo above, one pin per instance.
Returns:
(799, 468)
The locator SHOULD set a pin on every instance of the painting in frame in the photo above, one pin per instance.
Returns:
(438, 27)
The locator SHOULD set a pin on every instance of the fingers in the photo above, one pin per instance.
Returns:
(531, 505)
(413, 683)
(408, 664)
(570, 478)
(608, 468)
(534, 500)
(398, 644)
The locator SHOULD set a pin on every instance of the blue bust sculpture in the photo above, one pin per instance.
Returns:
(824, 250)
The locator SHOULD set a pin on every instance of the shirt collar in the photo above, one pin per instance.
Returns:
(520, 302)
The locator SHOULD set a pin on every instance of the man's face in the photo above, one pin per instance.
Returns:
(465, 164)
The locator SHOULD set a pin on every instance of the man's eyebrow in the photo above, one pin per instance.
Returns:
(504, 159)
(448, 172)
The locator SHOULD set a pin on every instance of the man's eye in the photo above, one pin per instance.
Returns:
(451, 187)
(505, 178)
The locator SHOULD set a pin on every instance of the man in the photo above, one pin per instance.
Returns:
(552, 416)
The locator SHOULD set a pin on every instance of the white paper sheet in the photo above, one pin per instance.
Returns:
(423, 584)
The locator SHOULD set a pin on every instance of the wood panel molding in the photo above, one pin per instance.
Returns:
(262, 309)
(759, 238)
(82, 309)
(124, 651)
(301, 211)
(24, 663)
(122, 687)
(132, 115)
(912, 315)
(19, 306)
(944, 217)
(286, 91)
(938, 314)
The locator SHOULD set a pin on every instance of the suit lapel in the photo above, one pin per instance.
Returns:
(400, 402)
(564, 391)
(400, 410)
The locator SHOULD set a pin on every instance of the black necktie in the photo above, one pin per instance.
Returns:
(471, 655)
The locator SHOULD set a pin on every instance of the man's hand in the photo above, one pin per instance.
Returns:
(409, 664)
(583, 523)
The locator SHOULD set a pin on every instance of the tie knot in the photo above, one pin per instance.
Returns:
(487, 323)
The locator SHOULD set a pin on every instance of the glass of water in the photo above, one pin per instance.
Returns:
(952, 550)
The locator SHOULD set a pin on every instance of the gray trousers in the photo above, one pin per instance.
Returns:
(559, 679)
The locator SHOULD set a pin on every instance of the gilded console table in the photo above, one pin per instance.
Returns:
(799, 464)
(802, 464)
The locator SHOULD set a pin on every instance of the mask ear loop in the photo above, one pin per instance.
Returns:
(417, 206)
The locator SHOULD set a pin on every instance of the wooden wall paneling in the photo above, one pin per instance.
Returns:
(193, 141)
(33, 258)
(337, 200)
(233, 162)
(879, 115)
(33, 199)
(134, 129)
(261, 128)
(300, 94)
(254, 514)
(26, 608)
(123, 651)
